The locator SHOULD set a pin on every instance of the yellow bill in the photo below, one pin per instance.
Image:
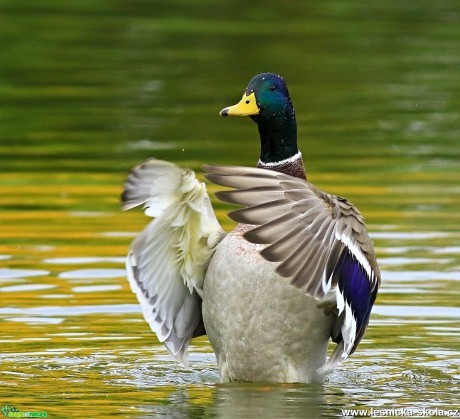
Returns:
(245, 107)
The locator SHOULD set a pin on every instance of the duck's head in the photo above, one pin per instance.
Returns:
(267, 101)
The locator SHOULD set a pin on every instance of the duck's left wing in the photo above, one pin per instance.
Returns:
(319, 240)
(167, 262)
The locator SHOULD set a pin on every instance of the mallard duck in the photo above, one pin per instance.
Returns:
(298, 270)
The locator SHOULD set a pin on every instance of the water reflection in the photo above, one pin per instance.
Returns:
(84, 260)
(400, 235)
(6, 273)
(399, 261)
(26, 287)
(268, 400)
(94, 288)
(417, 311)
(73, 310)
(420, 275)
(93, 273)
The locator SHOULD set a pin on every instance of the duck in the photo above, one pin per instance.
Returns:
(298, 271)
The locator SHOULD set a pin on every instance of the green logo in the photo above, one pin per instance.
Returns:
(6, 410)
(12, 412)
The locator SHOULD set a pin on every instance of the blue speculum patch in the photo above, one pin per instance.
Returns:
(354, 284)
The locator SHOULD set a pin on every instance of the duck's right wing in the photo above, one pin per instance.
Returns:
(319, 241)
(167, 262)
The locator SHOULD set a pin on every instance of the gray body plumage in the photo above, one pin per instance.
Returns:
(260, 326)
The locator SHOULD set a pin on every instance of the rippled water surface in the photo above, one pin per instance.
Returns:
(89, 89)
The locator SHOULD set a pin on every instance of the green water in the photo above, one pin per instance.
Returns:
(89, 89)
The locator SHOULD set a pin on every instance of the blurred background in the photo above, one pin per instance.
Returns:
(88, 89)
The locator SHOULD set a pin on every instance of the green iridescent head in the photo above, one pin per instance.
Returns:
(267, 101)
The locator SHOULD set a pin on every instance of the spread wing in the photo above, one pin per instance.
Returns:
(167, 262)
(319, 241)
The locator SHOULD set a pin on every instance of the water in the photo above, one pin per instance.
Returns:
(90, 89)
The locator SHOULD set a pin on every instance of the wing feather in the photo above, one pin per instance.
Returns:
(261, 213)
(167, 262)
(319, 241)
(286, 224)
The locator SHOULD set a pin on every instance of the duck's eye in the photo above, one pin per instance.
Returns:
(272, 88)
